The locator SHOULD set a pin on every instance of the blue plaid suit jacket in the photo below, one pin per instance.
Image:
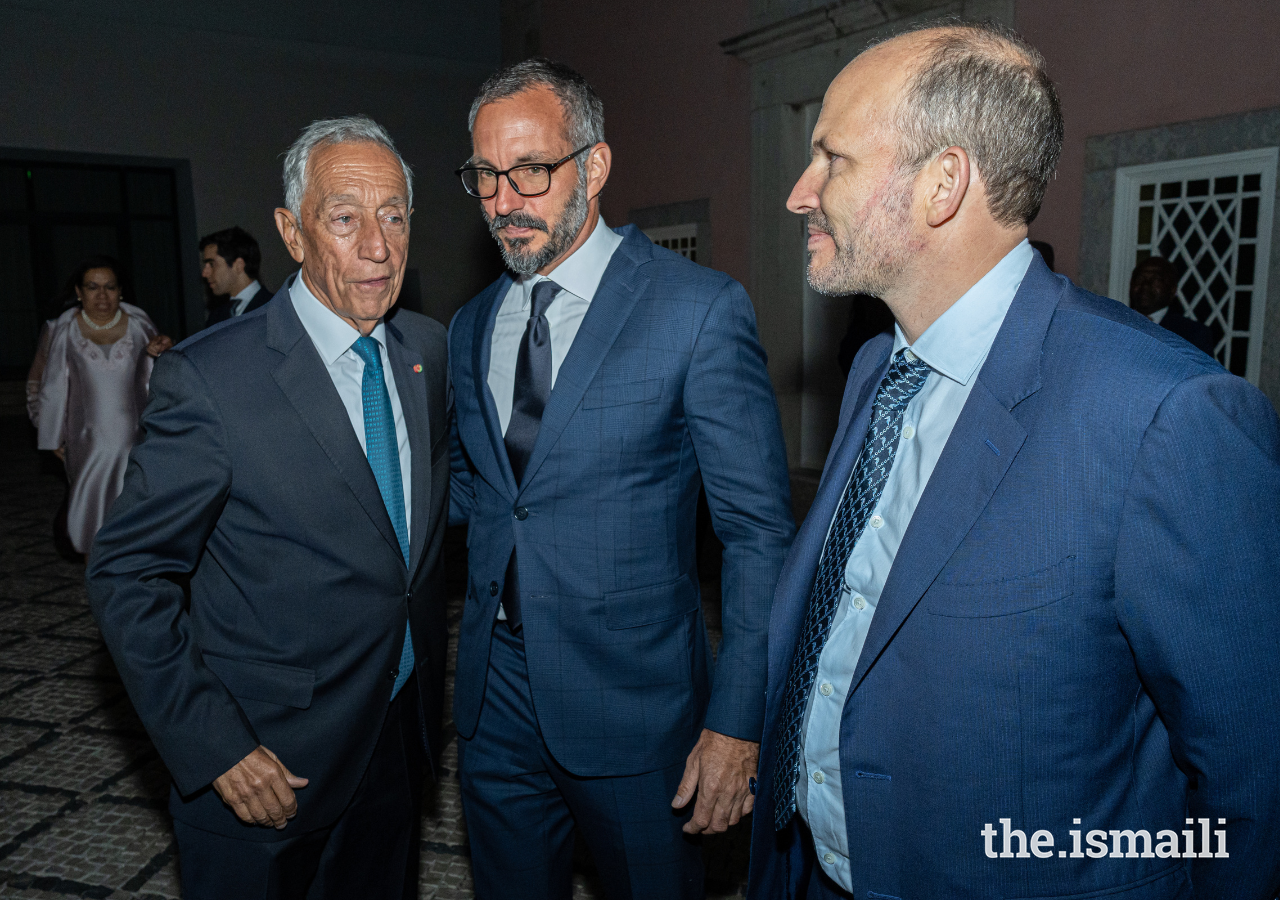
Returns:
(663, 390)
(1080, 623)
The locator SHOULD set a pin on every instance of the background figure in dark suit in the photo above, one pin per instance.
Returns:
(1045, 249)
(229, 265)
(1153, 291)
(1029, 628)
(598, 386)
(295, 471)
(868, 316)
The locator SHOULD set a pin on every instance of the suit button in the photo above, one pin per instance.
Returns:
(493, 588)
(522, 513)
(391, 676)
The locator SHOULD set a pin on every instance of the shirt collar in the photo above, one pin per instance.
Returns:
(582, 272)
(250, 289)
(330, 334)
(958, 341)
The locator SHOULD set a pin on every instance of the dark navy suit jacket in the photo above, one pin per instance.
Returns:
(251, 483)
(663, 390)
(221, 311)
(1081, 623)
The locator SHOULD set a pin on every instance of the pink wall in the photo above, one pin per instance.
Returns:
(1129, 64)
(677, 109)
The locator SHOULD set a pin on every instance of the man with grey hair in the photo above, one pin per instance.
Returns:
(599, 385)
(269, 582)
(1029, 627)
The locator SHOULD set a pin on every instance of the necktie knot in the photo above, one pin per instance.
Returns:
(906, 376)
(367, 349)
(543, 293)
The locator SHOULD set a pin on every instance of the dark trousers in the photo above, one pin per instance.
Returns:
(370, 852)
(521, 808)
(807, 880)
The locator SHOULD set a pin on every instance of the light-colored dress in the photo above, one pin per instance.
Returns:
(91, 400)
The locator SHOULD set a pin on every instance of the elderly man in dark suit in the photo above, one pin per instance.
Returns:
(294, 472)
(599, 386)
(1028, 633)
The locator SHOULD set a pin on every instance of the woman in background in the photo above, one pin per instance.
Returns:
(92, 392)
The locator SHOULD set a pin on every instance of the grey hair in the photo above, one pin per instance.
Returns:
(982, 87)
(583, 108)
(344, 130)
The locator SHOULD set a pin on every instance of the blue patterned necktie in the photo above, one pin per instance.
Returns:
(383, 450)
(902, 382)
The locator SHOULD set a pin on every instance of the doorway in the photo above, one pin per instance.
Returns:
(59, 209)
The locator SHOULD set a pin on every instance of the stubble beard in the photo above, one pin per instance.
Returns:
(560, 237)
(871, 257)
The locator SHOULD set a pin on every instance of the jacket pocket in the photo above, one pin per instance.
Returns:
(1002, 596)
(621, 393)
(648, 605)
(247, 679)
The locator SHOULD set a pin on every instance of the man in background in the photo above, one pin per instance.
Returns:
(1033, 606)
(229, 261)
(1153, 291)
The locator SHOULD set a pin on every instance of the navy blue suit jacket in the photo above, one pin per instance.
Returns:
(251, 484)
(1081, 623)
(663, 390)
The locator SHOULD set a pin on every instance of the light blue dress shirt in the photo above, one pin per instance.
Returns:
(955, 347)
(578, 277)
(333, 339)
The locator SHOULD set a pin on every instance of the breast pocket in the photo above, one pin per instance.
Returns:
(1001, 595)
(621, 393)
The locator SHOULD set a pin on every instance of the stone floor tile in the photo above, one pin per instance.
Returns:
(77, 761)
(30, 617)
(40, 654)
(102, 844)
(22, 810)
(14, 738)
(58, 700)
(23, 587)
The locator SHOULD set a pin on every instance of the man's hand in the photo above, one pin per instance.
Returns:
(260, 789)
(159, 344)
(719, 769)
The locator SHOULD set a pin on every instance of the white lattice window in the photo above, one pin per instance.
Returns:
(1211, 218)
(681, 238)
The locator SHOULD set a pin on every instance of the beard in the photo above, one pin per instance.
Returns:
(516, 253)
(871, 256)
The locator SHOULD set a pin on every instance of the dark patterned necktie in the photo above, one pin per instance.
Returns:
(533, 381)
(528, 399)
(902, 382)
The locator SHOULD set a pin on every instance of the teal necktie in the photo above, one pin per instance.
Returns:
(383, 451)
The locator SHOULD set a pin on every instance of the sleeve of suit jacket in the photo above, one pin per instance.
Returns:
(737, 436)
(175, 487)
(1197, 585)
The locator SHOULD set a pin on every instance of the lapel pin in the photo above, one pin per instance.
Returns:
(417, 368)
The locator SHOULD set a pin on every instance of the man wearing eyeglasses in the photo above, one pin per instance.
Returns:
(599, 385)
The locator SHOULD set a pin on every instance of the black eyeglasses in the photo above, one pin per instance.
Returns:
(528, 180)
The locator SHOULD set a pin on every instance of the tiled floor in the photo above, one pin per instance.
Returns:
(82, 791)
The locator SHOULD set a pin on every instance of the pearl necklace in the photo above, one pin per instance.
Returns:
(115, 320)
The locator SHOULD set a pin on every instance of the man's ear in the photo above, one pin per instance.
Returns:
(290, 233)
(599, 162)
(238, 265)
(946, 183)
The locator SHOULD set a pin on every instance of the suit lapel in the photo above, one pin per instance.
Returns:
(302, 377)
(983, 445)
(620, 289)
(411, 387)
(481, 350)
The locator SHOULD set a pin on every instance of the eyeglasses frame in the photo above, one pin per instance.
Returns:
(550, 167)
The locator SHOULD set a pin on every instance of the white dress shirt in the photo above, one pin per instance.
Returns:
(955, 347)
(333, 339)
(241, 300)
(578, 277)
